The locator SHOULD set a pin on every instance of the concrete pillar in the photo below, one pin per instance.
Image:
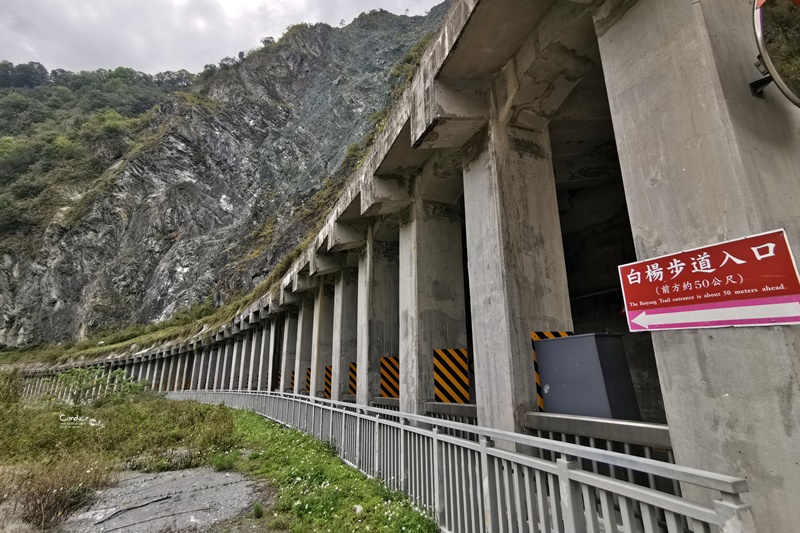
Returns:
(345, 330)
(264, 357)
(234, 363)
(213, 361)
(162, 372)
(288, 352)
(154, 362)
(198, 372)
(723, 165)
(187, 360)
(275, 352)
(432, 303)
(517, 275)
(172, 371)
(254, 356)
(176, 376)
(139, 370)
(227, 360)
(305, 322)
(321, 337)
(378, 321)
(219, 356)
(245, 358)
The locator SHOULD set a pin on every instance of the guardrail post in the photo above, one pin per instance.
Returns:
(571, 501)
(734, 515)
(358, 439)
(377, 448)
(438, 478)
(403, 456)
(491, 517)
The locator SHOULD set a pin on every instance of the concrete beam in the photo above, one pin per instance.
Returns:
(347, 236)
(385, 195)
(446, 113)
(322, 263)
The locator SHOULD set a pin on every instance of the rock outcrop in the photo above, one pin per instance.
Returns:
(214, 192)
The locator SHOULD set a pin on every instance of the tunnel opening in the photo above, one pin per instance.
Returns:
(596, 231)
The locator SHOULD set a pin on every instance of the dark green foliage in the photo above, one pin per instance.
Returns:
(781, 20)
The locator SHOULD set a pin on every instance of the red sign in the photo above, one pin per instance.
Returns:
(745, 282)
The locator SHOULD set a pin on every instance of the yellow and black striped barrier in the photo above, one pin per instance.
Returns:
(292, 382)
(451, 375)
(279, 381)
(328, 379)
(353, 379)
(308, 381)
(540, 336)
(390, 377)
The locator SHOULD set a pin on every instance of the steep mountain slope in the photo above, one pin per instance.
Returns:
(215, 188)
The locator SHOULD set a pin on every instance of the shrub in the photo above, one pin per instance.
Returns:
(224, 461)
(49, 492)
(11, 385)
(258, 511)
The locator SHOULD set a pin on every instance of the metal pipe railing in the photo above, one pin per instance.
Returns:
(496, 484)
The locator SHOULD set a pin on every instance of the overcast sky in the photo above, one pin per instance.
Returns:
(158, 35)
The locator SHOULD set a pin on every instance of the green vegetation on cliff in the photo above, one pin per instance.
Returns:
(59, 132)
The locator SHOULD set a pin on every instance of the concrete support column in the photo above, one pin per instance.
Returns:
(518, 279)
(722, 167)
(219, 356)
(154, 377)
(139, 371)
(234, 363)
(264, 357)
(227, 359)
(180, 362)
(187, 360)
(256, 336)
(345, 330)
(275, 353)
(432, 303)
(378, 321)
(321, 337)
(245, 359)
(198, 373)
(305, 323)
(288, 351)
(162, 372)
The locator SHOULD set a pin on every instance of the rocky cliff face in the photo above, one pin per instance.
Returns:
(214, 192)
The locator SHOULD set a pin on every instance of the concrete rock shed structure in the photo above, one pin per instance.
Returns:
(540, 145)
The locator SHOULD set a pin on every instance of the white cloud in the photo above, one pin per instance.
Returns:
(157, 35)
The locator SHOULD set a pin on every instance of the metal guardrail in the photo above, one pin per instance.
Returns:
(640, 439)
(494, 484)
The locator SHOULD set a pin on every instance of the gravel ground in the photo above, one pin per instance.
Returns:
(195, 499)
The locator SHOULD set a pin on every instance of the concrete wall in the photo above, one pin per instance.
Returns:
(704, 161)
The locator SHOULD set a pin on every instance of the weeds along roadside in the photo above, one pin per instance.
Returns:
(52, 467)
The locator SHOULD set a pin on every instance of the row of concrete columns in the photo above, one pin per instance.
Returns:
(401, 292)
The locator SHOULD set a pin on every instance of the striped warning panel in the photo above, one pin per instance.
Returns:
(353, 379)
(540, 336)
(279, 380)
(390, 377)
(328, 379)
(291, 384)
(308, 380)
(451, 375)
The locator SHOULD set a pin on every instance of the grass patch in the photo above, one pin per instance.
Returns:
(56, 456)
(316, 490)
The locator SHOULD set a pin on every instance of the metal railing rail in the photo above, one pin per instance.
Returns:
(495, 484)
